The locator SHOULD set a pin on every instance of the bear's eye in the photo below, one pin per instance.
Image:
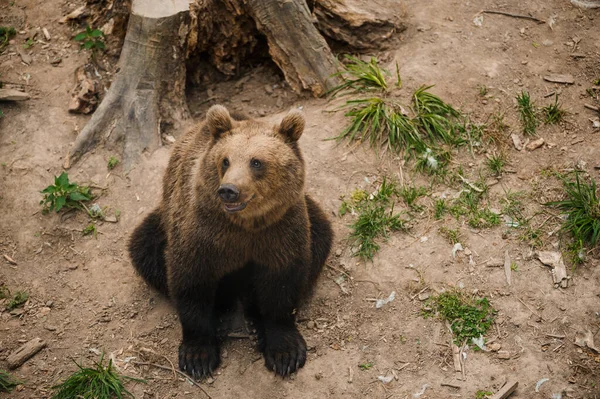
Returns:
(225, 163)
(256, 164)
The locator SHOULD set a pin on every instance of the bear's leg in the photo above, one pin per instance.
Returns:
(147, 251)
(277, 295)
(199, 349)
(321, 238)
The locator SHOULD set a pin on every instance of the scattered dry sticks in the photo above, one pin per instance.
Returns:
(507, 14)
(159, 366)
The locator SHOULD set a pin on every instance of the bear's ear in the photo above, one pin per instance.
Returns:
(292, 126)
(218, 120)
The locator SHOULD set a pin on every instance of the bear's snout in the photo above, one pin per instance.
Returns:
(228, 193)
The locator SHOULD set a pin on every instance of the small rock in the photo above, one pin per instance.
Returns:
(505, 355)
(55, 61)
(49, 304)
(494, 347)
(13, 95)
(44, 311)
(111, 219)
(26, 58)
(338, 252)
(72, 267)
(50, 327)
(46, 34)
(535, 144)
(423, 296)
(268, 89)
(310, 325)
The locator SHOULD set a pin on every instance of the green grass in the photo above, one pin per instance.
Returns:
(7, 381)
(435, 117)
(452, 236)
(469, 317)
(411, 193)
(6, 32)
(374, 222)
(468, 204)
(440, 208)
(90, 229)
(96, 382)
(368, 121)
(361, 76)
(496, 163)
(582, 209)
(483, 90)
(112, 162)
(433, 162)
(527, 114)
(482, 394)
(553, 113)
(375, 218)
(366, 366)
(63, 194)
(16, 300)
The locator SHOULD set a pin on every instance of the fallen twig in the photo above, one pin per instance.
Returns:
(177, 371)
(593, 108)
(507, 14)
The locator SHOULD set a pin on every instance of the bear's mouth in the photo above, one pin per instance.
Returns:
(233, 207)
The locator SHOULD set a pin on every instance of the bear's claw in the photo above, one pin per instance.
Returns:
(198, 360)
(285, 352)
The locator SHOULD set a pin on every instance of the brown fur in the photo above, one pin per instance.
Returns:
(280, 240)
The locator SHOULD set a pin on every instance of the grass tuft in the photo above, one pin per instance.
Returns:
(469, 317)
(435, 117)
(553, 113)
(496, 163)
(527, 114)
(582, 207)
(8, 382)
(94, 382)
(361, 76)
(376, 218)
(16, 300)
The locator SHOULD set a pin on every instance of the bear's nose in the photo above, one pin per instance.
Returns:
(228, 192)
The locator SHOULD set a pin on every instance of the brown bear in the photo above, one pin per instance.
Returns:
(235, 224)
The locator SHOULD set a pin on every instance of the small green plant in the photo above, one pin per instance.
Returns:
(8, 382)
(17, 300)
(496, 163)
(91, 39)
(453, 236)
(440, 208)
(582, 207)
(553, 113)
(90, 229)
(527, 114)
(469, 317)
(376, 218)
(483, 90)
(596, 82)
(482, 394)
(410, 194)
(112, 162)
(97, 381)
(514, 267)
(28, 44)
(63, 194)
(366, 366)
(361, 76)
(6, 32)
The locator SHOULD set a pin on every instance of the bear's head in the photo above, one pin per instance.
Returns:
(259, 167)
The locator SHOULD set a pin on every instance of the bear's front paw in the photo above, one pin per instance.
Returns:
(284, 351)
(198, 360)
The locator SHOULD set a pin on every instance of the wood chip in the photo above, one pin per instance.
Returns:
(73, 15)
(456, 358)
(507, 270)
(13, 95)
(517, 142)
(26, 58)
(507, 389)
(9, 259)
(559, 271)
(532, 145)
(25, 352)
(556, 78)
(46, 34)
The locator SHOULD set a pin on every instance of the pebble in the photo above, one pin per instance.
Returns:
(505, 355)
(268, 89)
(310, 325)
(338, 252)
(494, 347)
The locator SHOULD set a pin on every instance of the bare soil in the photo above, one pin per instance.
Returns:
(86, 298)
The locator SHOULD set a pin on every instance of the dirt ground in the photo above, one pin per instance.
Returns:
(86, 298)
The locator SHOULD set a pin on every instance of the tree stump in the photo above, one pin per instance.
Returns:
(148, 92)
